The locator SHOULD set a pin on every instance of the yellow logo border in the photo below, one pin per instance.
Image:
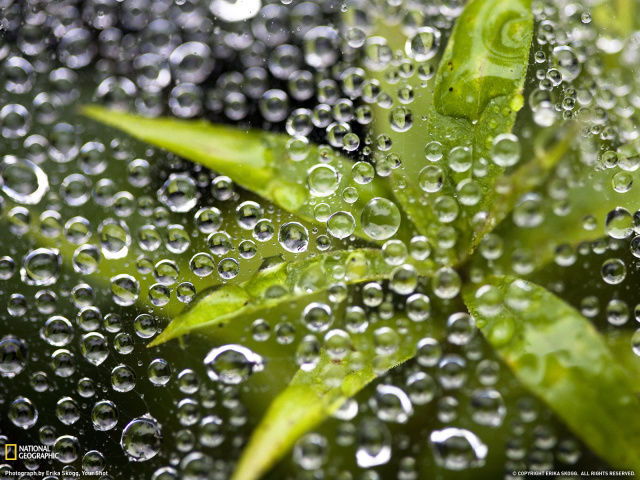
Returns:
(6, 451)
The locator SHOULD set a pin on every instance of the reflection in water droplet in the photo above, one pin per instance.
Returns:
(141, 438)
(104, 415)
(67, 448)
(232, 364)
(23, 413)
(235, 11)
(311, 451)
(125, 289)
(391, 404)
(293, 237)
(341, 225)
(457, 449)
(380, 218)
(374, 444)
(22, 180)
(179, 193)
(424, 44)
(320, 47)
(41, 267)
(619, 223)
(13, 356)
(323, 180)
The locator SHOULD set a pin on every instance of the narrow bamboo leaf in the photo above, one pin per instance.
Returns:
(278, 283)
(589, 199)
(407, 146)
(477, 93)
(528, 177)
(473, 98)
(560, 357)
(262, 162)
(107, 269)
(313, 396)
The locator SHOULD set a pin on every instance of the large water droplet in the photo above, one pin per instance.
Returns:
(22, 180)
(457, 449)
(41, 267)
(293, 237)
(424, 44)
(380, 218)
(232, 364)
(141, 438)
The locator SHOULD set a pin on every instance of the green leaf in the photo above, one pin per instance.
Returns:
(278, 283)
(589, 198)
(260, 162)
(529, 176)
(560, 357)
(313, 396)
(475, 96)
(620, 343)
(478, 89)
(107, 268)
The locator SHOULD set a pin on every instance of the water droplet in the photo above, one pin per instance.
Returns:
(141, 438)
(232, 364)
(614, 271)
(423, 44)
(321, 47)
(41, 267)
(391, 404)
(619, 223)
(125, 289)
(505, 151)
(318, 317)
(341, 225)
(487, 407)
(22, 180)
(104, 415)
(380, 218)
(23, 413)
(311, 451)
(374, 444)
(446, 283)
(179, 193)
(293, 237)
(401, 119)
(13, 356)
(94, 348)
(323, 180)
(457, 449)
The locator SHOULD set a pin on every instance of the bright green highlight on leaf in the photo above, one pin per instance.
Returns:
(271, 165)
(278, 283)
(558, 355)
(477, 93)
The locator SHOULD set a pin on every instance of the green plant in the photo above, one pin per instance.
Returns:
(465, 222)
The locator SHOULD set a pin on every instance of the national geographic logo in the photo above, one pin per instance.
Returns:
(13, 451)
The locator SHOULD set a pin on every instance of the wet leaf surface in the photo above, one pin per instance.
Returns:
(263, 163)
(275, 285)
(560, 357)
